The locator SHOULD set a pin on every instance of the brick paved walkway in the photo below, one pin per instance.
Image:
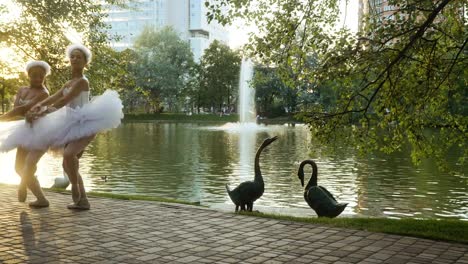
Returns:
(116, 231)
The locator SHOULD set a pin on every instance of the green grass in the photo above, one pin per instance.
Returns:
(178, 117)
(447, 229)
(126, 196)
(181, 117)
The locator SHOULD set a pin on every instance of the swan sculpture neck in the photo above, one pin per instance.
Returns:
(258, 174)
(313, 179)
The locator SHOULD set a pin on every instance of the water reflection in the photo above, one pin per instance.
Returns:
(193, 162)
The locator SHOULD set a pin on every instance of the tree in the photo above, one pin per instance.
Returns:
(192, 92)
(9, 84)
(40, 33)
(220, 68)
(132, 96)
(396, 79)
(273, 97)
(8, 89)
(163, 64)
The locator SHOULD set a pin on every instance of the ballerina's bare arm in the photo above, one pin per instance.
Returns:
(59, 100)
(18, 96)
(21, 110)
(75, 90)
(50, 100)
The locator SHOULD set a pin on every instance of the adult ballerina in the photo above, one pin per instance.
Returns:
(75, 120)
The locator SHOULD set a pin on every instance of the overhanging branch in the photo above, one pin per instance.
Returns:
(419, 34)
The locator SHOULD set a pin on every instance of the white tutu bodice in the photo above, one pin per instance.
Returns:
(79, 101)
(23, 101)
(67, 124)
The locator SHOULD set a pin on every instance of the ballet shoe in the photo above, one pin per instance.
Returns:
(75, 198)
(82, 204)
(75, 194)
(39, 204)
(22, 194)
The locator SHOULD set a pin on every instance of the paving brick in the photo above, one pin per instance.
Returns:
(118, 231)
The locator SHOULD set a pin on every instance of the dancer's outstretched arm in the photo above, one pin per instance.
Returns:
(21, 110)
(50, 100)
(60, 100)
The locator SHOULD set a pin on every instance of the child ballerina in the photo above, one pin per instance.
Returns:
(26, 98)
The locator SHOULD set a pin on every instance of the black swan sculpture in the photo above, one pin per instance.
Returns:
(318, 197)
(248, 192)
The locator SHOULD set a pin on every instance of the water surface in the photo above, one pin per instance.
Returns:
(193, 162)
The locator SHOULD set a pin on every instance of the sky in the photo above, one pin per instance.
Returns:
(238, 32)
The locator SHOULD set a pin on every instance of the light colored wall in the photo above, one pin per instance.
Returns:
(185, 16)
(177, 17)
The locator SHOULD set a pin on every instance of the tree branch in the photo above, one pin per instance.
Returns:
(397, 59)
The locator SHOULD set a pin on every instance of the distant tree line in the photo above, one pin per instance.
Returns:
(166, 78)
(162, 76)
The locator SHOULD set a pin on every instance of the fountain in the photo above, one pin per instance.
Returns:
(246, 93)
(246, 106)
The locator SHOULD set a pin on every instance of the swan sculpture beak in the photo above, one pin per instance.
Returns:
(268, 141)
(271, 140)
(300, 175)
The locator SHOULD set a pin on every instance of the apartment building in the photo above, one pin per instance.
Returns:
(376, 8)
(187, 17)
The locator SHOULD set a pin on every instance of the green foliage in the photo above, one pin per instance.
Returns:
(162, 67)
(192, 92)
(219, 78)
(270, 92)
(125, 80)
(40, 33)
(8, 89)
(388, 84)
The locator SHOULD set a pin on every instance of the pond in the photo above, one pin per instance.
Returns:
(194, 162)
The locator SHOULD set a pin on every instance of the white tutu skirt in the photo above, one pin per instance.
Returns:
(67, 124)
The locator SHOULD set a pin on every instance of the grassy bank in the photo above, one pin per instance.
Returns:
(181, 117)
(140, 197)
(172, 117)
(126, 197)
(445, 230)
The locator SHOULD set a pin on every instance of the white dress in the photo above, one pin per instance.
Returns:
(80, 118)
(23, 102)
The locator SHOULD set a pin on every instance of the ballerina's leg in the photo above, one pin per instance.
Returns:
(74, 184)
(19, 165)
(30, 167)
(71, 154)
(81, 188)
